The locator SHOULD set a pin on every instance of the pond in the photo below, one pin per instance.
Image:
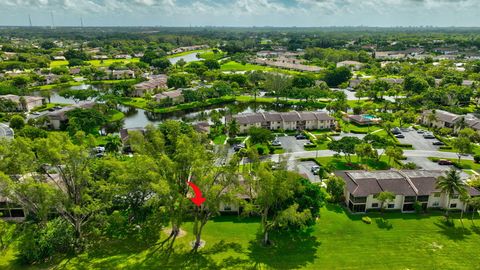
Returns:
(187, 58)
(135, 118)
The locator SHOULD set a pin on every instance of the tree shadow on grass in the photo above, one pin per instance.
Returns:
(183, 259)
(288, 250)
(456, 233)
(383, 223)
(335, 208)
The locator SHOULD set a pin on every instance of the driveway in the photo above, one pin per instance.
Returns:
(418, 142)
(5, 131)
(304, 168)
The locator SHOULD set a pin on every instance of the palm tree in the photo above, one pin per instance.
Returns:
(233, 128)
(432, 117)
(450, 184)
(384, 196)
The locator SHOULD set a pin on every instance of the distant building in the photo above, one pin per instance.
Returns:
(122, 74)
(59, 58)
(123, 56)
(287, 63)
(30, 101)
(363, 119)
(409, 187)
(58, 118)
(287, 120)
(154, 83)
(444, 119)
(175, 96)
(354, 65)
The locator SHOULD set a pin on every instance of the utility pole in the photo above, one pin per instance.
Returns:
(81, 22)
(53, 21)
(30, 20)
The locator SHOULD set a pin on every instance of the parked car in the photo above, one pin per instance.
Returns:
(400, 136)
(238, 147)
(420, 131)
(438, 143)
(57, 107)
(445, 162)
(99, 149)
(276, 142)
(315, 169)
(428, 136)
(51, 109)
(308, 144)
(396, 131)
(36, 113)
(300, 137)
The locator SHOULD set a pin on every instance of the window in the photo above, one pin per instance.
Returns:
(227, 208)
(435, 204)
(453, 205)
(410, 198)
(374, 205)
(454, 196)
(422, 198)
(391, 205)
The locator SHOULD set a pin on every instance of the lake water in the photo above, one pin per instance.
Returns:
(140, 118)
(187, 58)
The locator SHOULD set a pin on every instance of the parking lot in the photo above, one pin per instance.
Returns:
(291, 144)
(304, 168)
(5, 131)
(417, 140)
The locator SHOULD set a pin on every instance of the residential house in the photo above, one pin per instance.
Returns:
(390, 55)
(286, 120)
(59, 58)
(155, 82)
(10, 210)
(122, 74)
(175, 96)
(59, 117)
(29, 103)
(286, 63)
(408, 186)
(362, 119)
(99, 57)
(442, 119)
(123, 56)
(354, 65)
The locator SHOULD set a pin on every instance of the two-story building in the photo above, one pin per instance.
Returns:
(284, 120)
(408, 186)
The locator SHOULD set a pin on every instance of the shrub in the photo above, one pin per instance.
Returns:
(476, 158)
(40, 242)
(367, 220)
(410, 166)
(445, 148)
(404, 145)
(260, 150)
(17, 122)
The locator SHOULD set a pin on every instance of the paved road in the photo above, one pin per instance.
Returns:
(291, 144)
(5, 131)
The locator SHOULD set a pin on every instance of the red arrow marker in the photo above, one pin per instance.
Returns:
(198, 199)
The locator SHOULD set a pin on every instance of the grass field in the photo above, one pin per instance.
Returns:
(355, 164)
(235, 66)
(337, 241)
(97, 63)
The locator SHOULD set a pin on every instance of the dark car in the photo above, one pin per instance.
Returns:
(428, 136)
(315, 169)
(400, 136)
(420, 131)
(438, 143)
(51, 109)
(445, 162)
(238, 147)
(300, 137)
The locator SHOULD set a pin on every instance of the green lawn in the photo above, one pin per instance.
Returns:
(235, 66)
(97, 63)
(58, 63)
(351, 127)
(220, 139)
(355, 164)
(337, 241)
(115, 115)
(47, 106)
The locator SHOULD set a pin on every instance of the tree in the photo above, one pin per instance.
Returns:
(86, 120)
(211, 64)
(177, 81)
(260, 135)
(451, 183)
(384, 196)
(303, 81)
(335, 188)
(233, 128)
(161, 63)
(345, 145)
(462, 146)
(336, 76)
(365, 150)
(17, 122)
(475, 204)
(277, 84)
(273, 189)
(394, 153)
(181, 63)
(113, 143)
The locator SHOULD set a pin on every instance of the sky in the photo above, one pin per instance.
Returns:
(300, 13)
